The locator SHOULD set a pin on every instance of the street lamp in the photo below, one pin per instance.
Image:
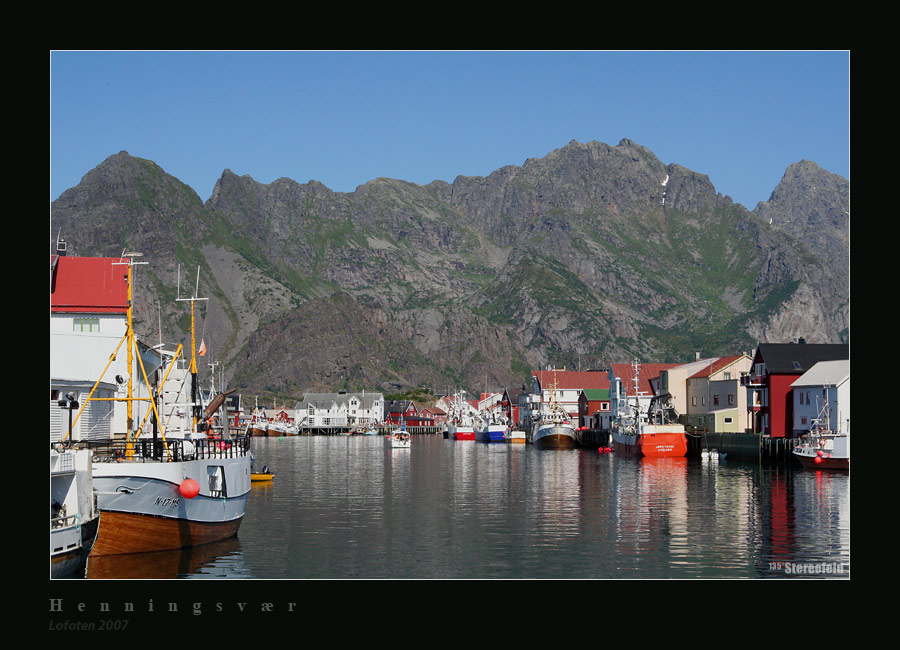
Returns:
(68, 402)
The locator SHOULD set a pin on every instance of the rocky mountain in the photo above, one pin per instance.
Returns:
(590, 255)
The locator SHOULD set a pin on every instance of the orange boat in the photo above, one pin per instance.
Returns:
(653, 440)
(634, 433)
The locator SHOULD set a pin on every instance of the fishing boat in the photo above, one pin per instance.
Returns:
(635, 432)
(276, 428)
(74, 518)
(553, 429)
(823, 447)
(258, 424)
(178, 486)
(488, 429)
(461, 423)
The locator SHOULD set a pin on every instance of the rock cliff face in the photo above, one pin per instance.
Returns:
(591, 255)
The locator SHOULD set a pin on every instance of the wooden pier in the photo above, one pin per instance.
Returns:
(746, 446)
(344, 430)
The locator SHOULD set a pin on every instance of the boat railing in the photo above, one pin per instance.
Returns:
(174, 450)
(65, 521)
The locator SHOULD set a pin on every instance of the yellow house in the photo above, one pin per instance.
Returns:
(715, 399)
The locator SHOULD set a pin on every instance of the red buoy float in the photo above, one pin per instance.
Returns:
(189, 488)
(818, 459)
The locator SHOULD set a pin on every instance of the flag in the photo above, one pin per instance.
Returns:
(202, 350)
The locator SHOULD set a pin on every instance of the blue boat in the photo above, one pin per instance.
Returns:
(486, 430)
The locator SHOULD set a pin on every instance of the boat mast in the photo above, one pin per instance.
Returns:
(127, 260)
(195, 398)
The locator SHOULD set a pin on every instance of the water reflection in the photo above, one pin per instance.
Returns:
(217, 560)
(350, 507)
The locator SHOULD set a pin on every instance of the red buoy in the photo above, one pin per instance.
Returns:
(189, 488)
(820, 453)
(818, 459)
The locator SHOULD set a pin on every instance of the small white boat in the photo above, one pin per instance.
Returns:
(74, 517)
(823, 447)
(398, 439)
(514, 435)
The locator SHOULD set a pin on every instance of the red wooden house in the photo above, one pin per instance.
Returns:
(775, 367)
(411, 413)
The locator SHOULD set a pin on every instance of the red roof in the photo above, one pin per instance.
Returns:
(625, 372)
(715, 366)
(91, 285)
(572, 379)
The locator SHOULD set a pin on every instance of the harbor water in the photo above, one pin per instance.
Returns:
(349, 507)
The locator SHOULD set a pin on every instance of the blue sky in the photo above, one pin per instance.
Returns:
(345, 118)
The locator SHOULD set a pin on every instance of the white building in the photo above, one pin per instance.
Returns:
(340, 409)
(88, 301)
(827, 382)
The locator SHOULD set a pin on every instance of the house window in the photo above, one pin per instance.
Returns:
(694, 401)
(727, 376)
(730, 400)
(85, 324)
(716, 400)
(728, 420)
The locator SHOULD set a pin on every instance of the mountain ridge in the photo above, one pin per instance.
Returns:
(591, 254)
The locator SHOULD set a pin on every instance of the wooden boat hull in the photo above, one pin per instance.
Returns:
(122, 532)
(556, 437)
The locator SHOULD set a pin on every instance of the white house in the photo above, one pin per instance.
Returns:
(340, 409)
(88, 306)
(826, 383)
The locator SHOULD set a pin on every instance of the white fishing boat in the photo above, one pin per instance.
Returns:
(74, 517)
(178, 486)
(258, 424)
(461, 420)
(553, 428)
(489, 429)
(823, 447)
